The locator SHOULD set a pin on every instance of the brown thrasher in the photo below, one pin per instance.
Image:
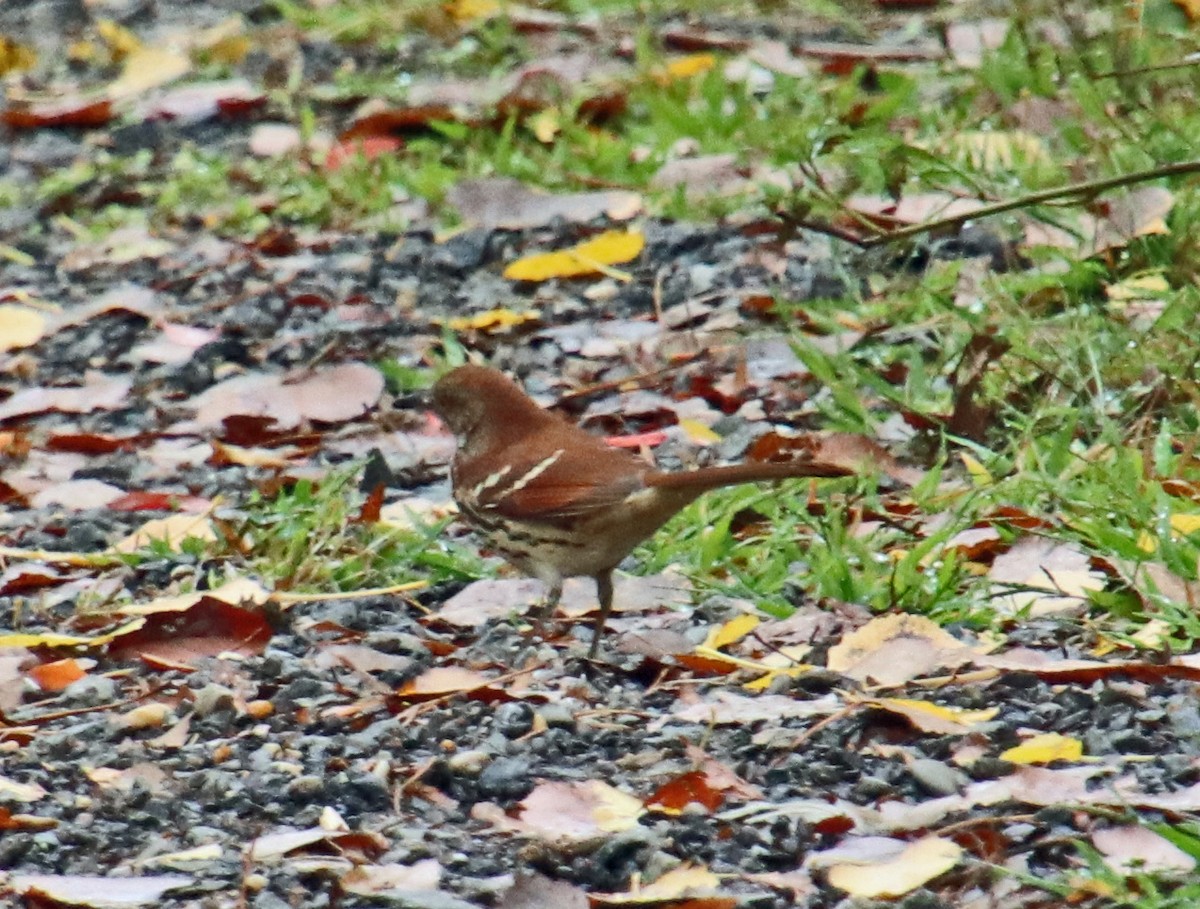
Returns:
(556, 501)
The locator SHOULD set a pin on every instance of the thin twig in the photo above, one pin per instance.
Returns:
(1086, 188)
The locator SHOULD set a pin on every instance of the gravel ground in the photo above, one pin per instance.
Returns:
(301, 735)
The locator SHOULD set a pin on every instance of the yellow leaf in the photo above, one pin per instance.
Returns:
(698, 432)
(20, 326)
(732, 631)
(120, 40)
(1181, 525)
(15, 57)
(911, 868)
(465, 11)
(763, 682)
(934, 717)
(678, 883)
(686, 67)
(493, 320)
(48, 639)
(1042, 749)
(147, 68)
(546, 124)
(612, 247)
(979, 474)
(1141, 287)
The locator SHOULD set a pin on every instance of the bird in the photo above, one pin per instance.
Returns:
(557, 501)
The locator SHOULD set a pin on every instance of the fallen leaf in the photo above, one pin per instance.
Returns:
(1133, 849)
(685, 882)
(1056, 577)
(97, 892)
(170, 531)
(588, 258)
(1044, 749)
(893, 649)
(366, 880)
(935, 718)
(20, 326)
(566, 813)
(99, 392)
(330, 395)
(914, 866)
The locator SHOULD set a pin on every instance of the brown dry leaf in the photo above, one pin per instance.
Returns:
(209, 628)
(235, 592)
(846, 452)
(592, 257)
(691, 788)
(916, 865)
(20, 326)
(360, 658)
(99, 392)
(274, 846)
(1141, 212)
(443, 680)
(10, 821)
(499, 202)
(96, 892)
(569, 813)
(333, 394)
(686, 882)
(366, 880)
(482, 601)
(72, 111)
(894, 649)
(1131, 849)
(1056, 577)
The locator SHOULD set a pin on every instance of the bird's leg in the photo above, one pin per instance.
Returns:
(545, 609)
(604, 590)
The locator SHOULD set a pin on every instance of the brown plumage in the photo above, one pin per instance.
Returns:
(556, 501)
